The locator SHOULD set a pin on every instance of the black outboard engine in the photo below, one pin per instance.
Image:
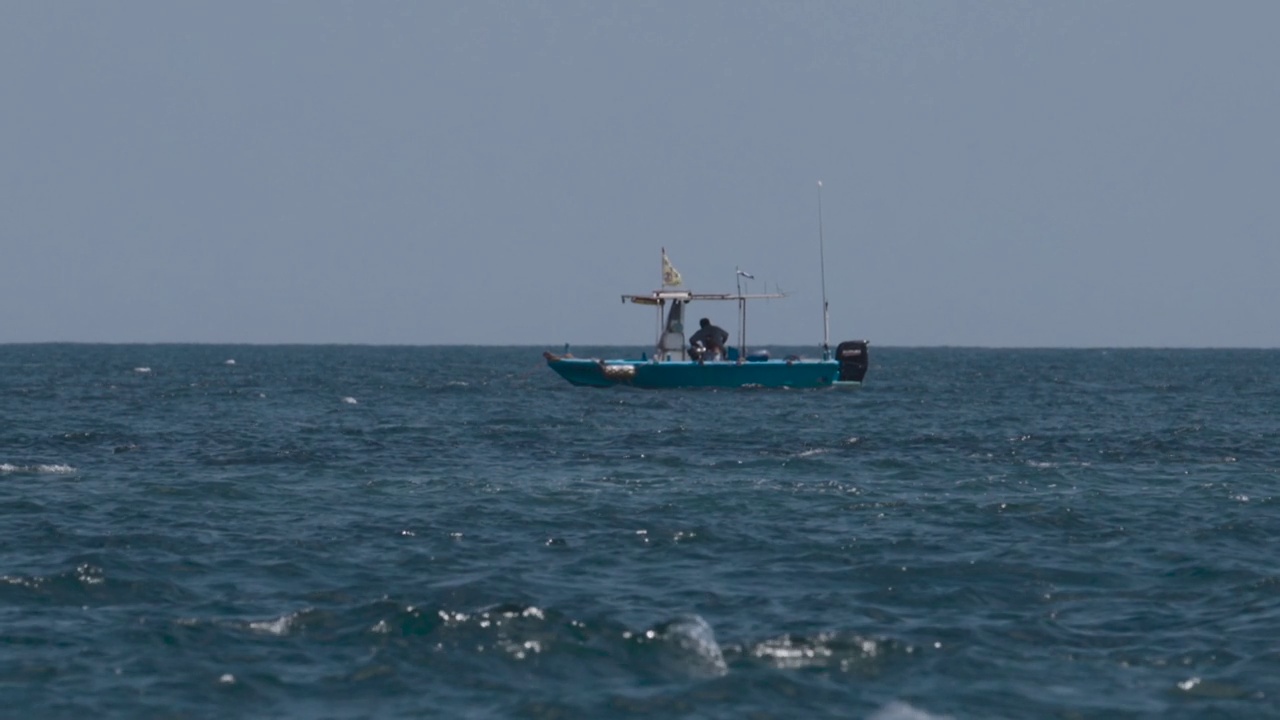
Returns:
(852, 355)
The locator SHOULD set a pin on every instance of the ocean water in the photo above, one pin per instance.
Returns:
(373, 532)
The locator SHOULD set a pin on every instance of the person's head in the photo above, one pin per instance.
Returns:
(704, 322)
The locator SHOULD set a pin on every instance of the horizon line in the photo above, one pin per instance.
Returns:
(944, 346)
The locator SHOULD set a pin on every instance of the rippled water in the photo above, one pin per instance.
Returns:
(342, 532)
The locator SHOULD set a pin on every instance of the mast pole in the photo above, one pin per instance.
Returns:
(662, 305)
(742, 334)
(742, 313)
(822, 259)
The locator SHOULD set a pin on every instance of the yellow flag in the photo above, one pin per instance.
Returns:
(670, 275)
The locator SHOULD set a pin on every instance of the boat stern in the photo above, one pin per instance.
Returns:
(854, 361)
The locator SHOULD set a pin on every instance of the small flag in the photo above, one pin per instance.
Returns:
(746, 274)
(670, 275)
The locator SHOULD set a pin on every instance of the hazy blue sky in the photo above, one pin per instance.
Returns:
(995, 173)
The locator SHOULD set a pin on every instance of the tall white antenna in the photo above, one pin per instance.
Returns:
(822, 258)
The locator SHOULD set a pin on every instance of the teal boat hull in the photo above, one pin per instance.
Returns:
(692, 374)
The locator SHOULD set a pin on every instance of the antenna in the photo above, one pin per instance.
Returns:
(822, 258)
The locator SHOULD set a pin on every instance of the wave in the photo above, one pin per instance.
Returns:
(88, 584)
(683, 646)
(53, 469)
(898, 710)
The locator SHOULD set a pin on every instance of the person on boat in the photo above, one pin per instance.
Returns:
(709, 341)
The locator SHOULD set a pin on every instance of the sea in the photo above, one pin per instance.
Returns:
(248, 531)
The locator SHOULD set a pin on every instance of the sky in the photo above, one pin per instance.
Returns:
(1004, 174)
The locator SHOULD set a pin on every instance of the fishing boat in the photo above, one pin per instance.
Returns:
(675, 364)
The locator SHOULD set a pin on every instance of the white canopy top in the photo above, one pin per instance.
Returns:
(659, 296)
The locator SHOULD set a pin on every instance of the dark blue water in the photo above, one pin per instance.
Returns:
(349, 532)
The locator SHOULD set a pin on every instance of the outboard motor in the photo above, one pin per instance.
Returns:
(852, 355)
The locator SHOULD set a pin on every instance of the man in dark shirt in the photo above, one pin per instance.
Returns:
(711, 338)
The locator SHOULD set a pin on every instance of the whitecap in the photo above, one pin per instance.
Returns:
(822, 650)
(229, 361)
(279, 626)
(58, 469)
(350, 400)
(142, 369)
(898, 710)
(694, 637)
(785, 652)
(55, 469)
(1213, 689)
